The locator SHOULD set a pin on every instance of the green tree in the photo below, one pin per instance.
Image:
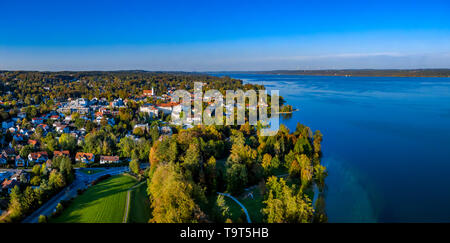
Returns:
(211, 174)
(42, 219)
(56, 179)
(126, 146)
(50, 143)
(222, 209)
(172, 197)
(65, 166)
(134, 166)
(15, 202)
(236, 178)
(267, 159)
(67, 142)
(192, 160)
(36, 170)
(26, 150)
(284, 205)
(35, 181)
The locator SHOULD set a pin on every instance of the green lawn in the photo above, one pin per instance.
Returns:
(102, 203)
(235, 210)
(254, 205)
(139, 205)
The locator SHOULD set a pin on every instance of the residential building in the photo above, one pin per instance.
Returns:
(109, 159)
(21, 115)
(17, 175)
(148, 93)
(62, 128)
(38, 157)
(7, 125)
(20, 162)
(8, 152)
(167, 108)
(149, 109)
(32, 142)
(117, 103)
(37, 120)
(61, 153)
(85, 157)
(8, 185)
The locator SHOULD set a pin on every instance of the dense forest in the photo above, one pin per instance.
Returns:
(123, 84)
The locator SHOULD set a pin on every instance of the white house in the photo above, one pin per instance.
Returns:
(149, 109)
(37, 120)
(62, 128)
(148, 93)
(109, 159)
(167, 108)
(85, 157)
(117, 103)
(38, 157)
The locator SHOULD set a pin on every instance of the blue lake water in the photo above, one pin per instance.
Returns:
(386, 142)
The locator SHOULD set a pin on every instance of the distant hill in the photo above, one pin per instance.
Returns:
(362, 72)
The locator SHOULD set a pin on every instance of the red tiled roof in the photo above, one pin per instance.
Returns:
(170, 104)
(80, 155)
(43, 125)
(61, 153)
(37, 155)
(9, 184)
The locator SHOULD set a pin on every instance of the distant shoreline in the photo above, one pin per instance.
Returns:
(397, 73)
(425, 73)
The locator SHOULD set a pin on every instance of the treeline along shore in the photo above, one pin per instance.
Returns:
(361, 72)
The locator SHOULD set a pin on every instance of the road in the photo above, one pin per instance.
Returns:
(82, 181)
(240, 204)
(127, 205)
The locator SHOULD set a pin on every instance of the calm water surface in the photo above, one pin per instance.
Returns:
(386, 143)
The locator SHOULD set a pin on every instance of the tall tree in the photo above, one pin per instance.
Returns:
(172, 197)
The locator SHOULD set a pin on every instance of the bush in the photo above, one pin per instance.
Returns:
(42, 219)
(58, 210)
(80, 191)
(101, 178)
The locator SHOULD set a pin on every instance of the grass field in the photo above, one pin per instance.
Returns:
(102, 203)
(254, 205)
(139, 205)
(235, 210)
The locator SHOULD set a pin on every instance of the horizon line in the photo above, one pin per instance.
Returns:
(229, 71)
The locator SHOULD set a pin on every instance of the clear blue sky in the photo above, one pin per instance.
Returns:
(223, 35)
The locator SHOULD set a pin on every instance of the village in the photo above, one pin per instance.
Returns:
(23, 151)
